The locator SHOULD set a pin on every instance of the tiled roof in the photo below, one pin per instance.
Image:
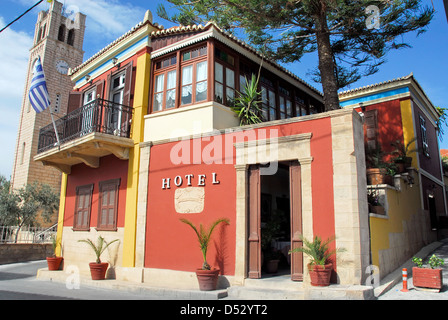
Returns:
(373, 86)
(186, 29)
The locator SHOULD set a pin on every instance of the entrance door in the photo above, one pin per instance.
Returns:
(295, 216)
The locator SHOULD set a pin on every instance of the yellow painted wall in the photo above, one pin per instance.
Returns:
(141, 96)
(403, 206)
(61, 212)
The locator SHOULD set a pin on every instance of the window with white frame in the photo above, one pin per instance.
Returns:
(425, 146)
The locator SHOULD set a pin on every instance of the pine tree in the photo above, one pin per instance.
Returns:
(352, 37)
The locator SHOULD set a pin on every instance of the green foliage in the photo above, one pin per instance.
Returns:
(99, 247)
(55, 243)
(204, 236)
(20, 207)
(285, 30)
(317, 250)
(441, 121)
(247, 103)
(434, 262)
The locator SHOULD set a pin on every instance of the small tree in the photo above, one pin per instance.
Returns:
(20, 207)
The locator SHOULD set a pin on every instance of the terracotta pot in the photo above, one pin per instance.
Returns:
(208, 279)
(54, 263)
(427, 278)
(376, 176)
(272, 266)
(98, 270)
(376, 209)
(320, 275)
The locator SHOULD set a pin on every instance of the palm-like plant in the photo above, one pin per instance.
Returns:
(99, 247)
(247, 103)
(204, 236)
(318, 250)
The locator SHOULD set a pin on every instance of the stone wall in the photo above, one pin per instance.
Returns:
(21, 252)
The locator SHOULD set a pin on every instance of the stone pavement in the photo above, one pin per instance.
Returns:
(264, 289)
(391, 286)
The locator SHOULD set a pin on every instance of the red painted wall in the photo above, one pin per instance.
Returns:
(173, 245)
(110, 168)
(390, 126)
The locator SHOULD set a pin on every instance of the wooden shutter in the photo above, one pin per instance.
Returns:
(295, 190)
(83, 206)
(128, 86)
(371, 129)
(74, 101)
(108, 205)
(100, 89)
(254, 223)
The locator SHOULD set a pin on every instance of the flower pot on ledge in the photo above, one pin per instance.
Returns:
(208, 279)
(54, 263)
(98, 270)
(320, 274)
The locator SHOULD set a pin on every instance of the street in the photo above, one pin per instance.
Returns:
(18, 282)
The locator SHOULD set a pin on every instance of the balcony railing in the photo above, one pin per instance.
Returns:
(98, 116)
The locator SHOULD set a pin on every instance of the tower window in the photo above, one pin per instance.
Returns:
(61, 33)
(71, 37)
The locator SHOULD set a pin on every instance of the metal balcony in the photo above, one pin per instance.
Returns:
(97, 129)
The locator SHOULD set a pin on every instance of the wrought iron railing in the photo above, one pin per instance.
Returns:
(97, 116)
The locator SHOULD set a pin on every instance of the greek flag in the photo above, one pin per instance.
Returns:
(39, 97)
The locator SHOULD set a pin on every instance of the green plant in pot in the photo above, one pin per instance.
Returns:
(98, 269)
(207, 276)
(318, 251)
(54, 262)
(402, 154)
(428, 277)
(270, 231)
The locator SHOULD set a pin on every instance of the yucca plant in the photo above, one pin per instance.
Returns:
(247, 103)
(318, 250)
(204, 236)
(99, 247)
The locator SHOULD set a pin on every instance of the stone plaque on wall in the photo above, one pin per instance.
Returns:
(189, 200)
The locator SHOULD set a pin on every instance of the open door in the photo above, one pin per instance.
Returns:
(296, 220)
(254, 240)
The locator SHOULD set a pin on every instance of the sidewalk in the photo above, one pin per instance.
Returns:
(391, 286)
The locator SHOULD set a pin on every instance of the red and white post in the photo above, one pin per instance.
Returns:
(405, 280)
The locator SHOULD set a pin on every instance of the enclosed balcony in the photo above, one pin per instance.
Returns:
(85, 135)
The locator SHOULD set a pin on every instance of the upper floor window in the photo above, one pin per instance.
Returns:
(165, 98)
(285, 103)
(194, 82)
(61, 33)
(71, 37)
(424, 136)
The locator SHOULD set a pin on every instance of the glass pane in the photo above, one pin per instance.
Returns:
(159, 83)
(264, 95)
(282, 104)
(242, 83)
(230, 78)
(218, 72)
(219, 93)
(230, 93)
(171, 80)
(271, 98)
(288, 107)
(170, 98)
(201, 71)
(201, 91)
(272, 114)
(187, 75)
(158, 101)
(186, 95)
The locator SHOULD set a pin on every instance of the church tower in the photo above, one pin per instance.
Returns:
(58, 41)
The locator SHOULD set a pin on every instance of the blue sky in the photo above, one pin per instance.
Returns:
(109, 19)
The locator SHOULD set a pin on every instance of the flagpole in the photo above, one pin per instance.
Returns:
(54, 126)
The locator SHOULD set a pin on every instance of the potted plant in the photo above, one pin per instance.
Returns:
(425, 277)
(271, 230)
(247, 103)
(373, 199)
(54, 262)
(402, 152)
(98, 269)
(320, 267)
(376, 168)
(207, 276)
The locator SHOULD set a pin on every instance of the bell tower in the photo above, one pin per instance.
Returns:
(58, 41)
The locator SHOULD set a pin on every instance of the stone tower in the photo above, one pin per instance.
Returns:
(58, 41)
